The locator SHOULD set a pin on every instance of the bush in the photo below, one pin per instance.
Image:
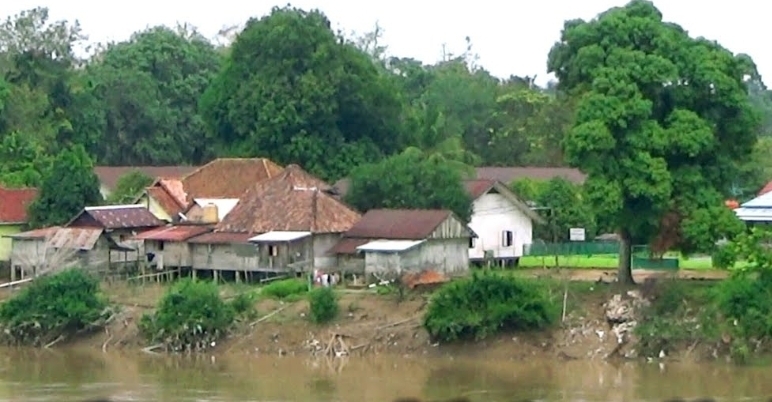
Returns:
(54, 306)
(191, 316)
(285, 288)
(748, 301)
(488, 303)
(324, 305)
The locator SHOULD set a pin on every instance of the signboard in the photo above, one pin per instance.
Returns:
(576, 234)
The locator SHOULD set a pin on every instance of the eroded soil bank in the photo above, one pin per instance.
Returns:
(598, 323)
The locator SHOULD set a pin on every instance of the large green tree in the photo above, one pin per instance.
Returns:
(68, 187)
(294, 90)
(662, 122)
(410, 179)
(147, 91)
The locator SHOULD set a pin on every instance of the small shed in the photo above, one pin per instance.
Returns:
(284, 250)
(397, 241)
(168, 247)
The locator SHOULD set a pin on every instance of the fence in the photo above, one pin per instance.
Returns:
(571, 248)
(642, 259)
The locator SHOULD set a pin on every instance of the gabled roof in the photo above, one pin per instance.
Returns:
(109, 175)
(228, 177)
(292, 201)
(14, 203)
(767, 188)
(116, 217)
(479, 187)
(398, 224)
(169, 194)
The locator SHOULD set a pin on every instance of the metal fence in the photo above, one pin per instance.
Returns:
(571, 248)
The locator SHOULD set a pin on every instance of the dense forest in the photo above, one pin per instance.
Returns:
(665, 125)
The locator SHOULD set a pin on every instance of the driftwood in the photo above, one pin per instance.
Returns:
(394, 324)
(269, 315)
(150, 349)
(336, 346)
(54, 342)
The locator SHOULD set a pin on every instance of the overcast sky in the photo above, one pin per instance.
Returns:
(511, 37)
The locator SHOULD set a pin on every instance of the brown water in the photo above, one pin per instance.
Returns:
(72, 376)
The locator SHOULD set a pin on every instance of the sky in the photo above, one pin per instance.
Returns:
(510, 37)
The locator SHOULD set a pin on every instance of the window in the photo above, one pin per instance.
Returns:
(273, 251)
(471, 242)
(160, 246)
(507, 238)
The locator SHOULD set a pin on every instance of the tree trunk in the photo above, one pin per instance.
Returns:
(625, 274)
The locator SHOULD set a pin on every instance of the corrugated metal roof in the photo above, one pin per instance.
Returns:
(389, 245)
(754, 214)
(173, 233)
(279, 236)
(76, 238)
(35, 234)
(224, 205)
(762, 201)
(398, 224)
(119, 217)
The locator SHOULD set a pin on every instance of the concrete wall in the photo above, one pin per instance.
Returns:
(493, 214)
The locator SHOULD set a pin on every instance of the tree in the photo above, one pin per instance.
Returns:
(147, 91)
(662, 122)
(67, 188)
(409, 180)
(295, 90)
(128, 187)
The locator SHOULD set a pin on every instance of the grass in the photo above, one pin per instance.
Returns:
(609, 261)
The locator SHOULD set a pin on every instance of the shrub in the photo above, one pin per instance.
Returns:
(54, 306)
(486, 304)
(747, 300)
(324, 305)
(244, 305)
(285, 288)
(191, 316)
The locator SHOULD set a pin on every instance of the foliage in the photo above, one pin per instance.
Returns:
(751, 248)
(305, 96)
(486, 304)
(562, 204)
(323, 303)
(55, 306)
(409, 180)
(68, 187)
(191, 316)
(285, 288)
(654, 105)
(128, 187)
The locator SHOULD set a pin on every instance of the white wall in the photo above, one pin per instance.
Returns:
(493, 214)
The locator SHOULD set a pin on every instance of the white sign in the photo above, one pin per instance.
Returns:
(576, 234)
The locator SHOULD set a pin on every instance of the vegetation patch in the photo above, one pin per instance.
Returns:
(192, 316)
(54, 308)
(324, 305)
(287, 288)
(486, 304)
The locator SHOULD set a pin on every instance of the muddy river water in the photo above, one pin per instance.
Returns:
(76, 375)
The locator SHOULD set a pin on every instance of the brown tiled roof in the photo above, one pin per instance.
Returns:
(222, 238)
(228, 177)
(398, 224)
(165, 200)
(507, 175)
(173, 233)
(109, 175)
(14, 203)
(291, 201)
(116, 217)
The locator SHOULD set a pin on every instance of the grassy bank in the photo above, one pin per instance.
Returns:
(605, 261)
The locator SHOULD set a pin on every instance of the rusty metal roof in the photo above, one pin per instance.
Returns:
(398, 224)
(36, 234)
(75, 238)
(508, 174)
(116, 217)
(347, 245)
(222, 238)
(173, 233)
(476, 188)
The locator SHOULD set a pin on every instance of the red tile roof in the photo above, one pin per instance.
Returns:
(228, 177)
(14, 203)
(173, 233)
(291, 201)
(116, 217)
(398, 224)
(109, 175)
(767, 188)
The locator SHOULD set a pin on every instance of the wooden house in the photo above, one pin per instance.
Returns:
(397, 241)
(13, 216)
(285, 223)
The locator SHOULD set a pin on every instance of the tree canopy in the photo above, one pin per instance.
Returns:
(663, 122)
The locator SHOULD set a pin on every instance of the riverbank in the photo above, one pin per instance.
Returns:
(373, 323)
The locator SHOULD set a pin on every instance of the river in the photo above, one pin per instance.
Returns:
(53, 375)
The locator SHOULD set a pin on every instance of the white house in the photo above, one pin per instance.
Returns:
(503, 223)
(758, 209)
